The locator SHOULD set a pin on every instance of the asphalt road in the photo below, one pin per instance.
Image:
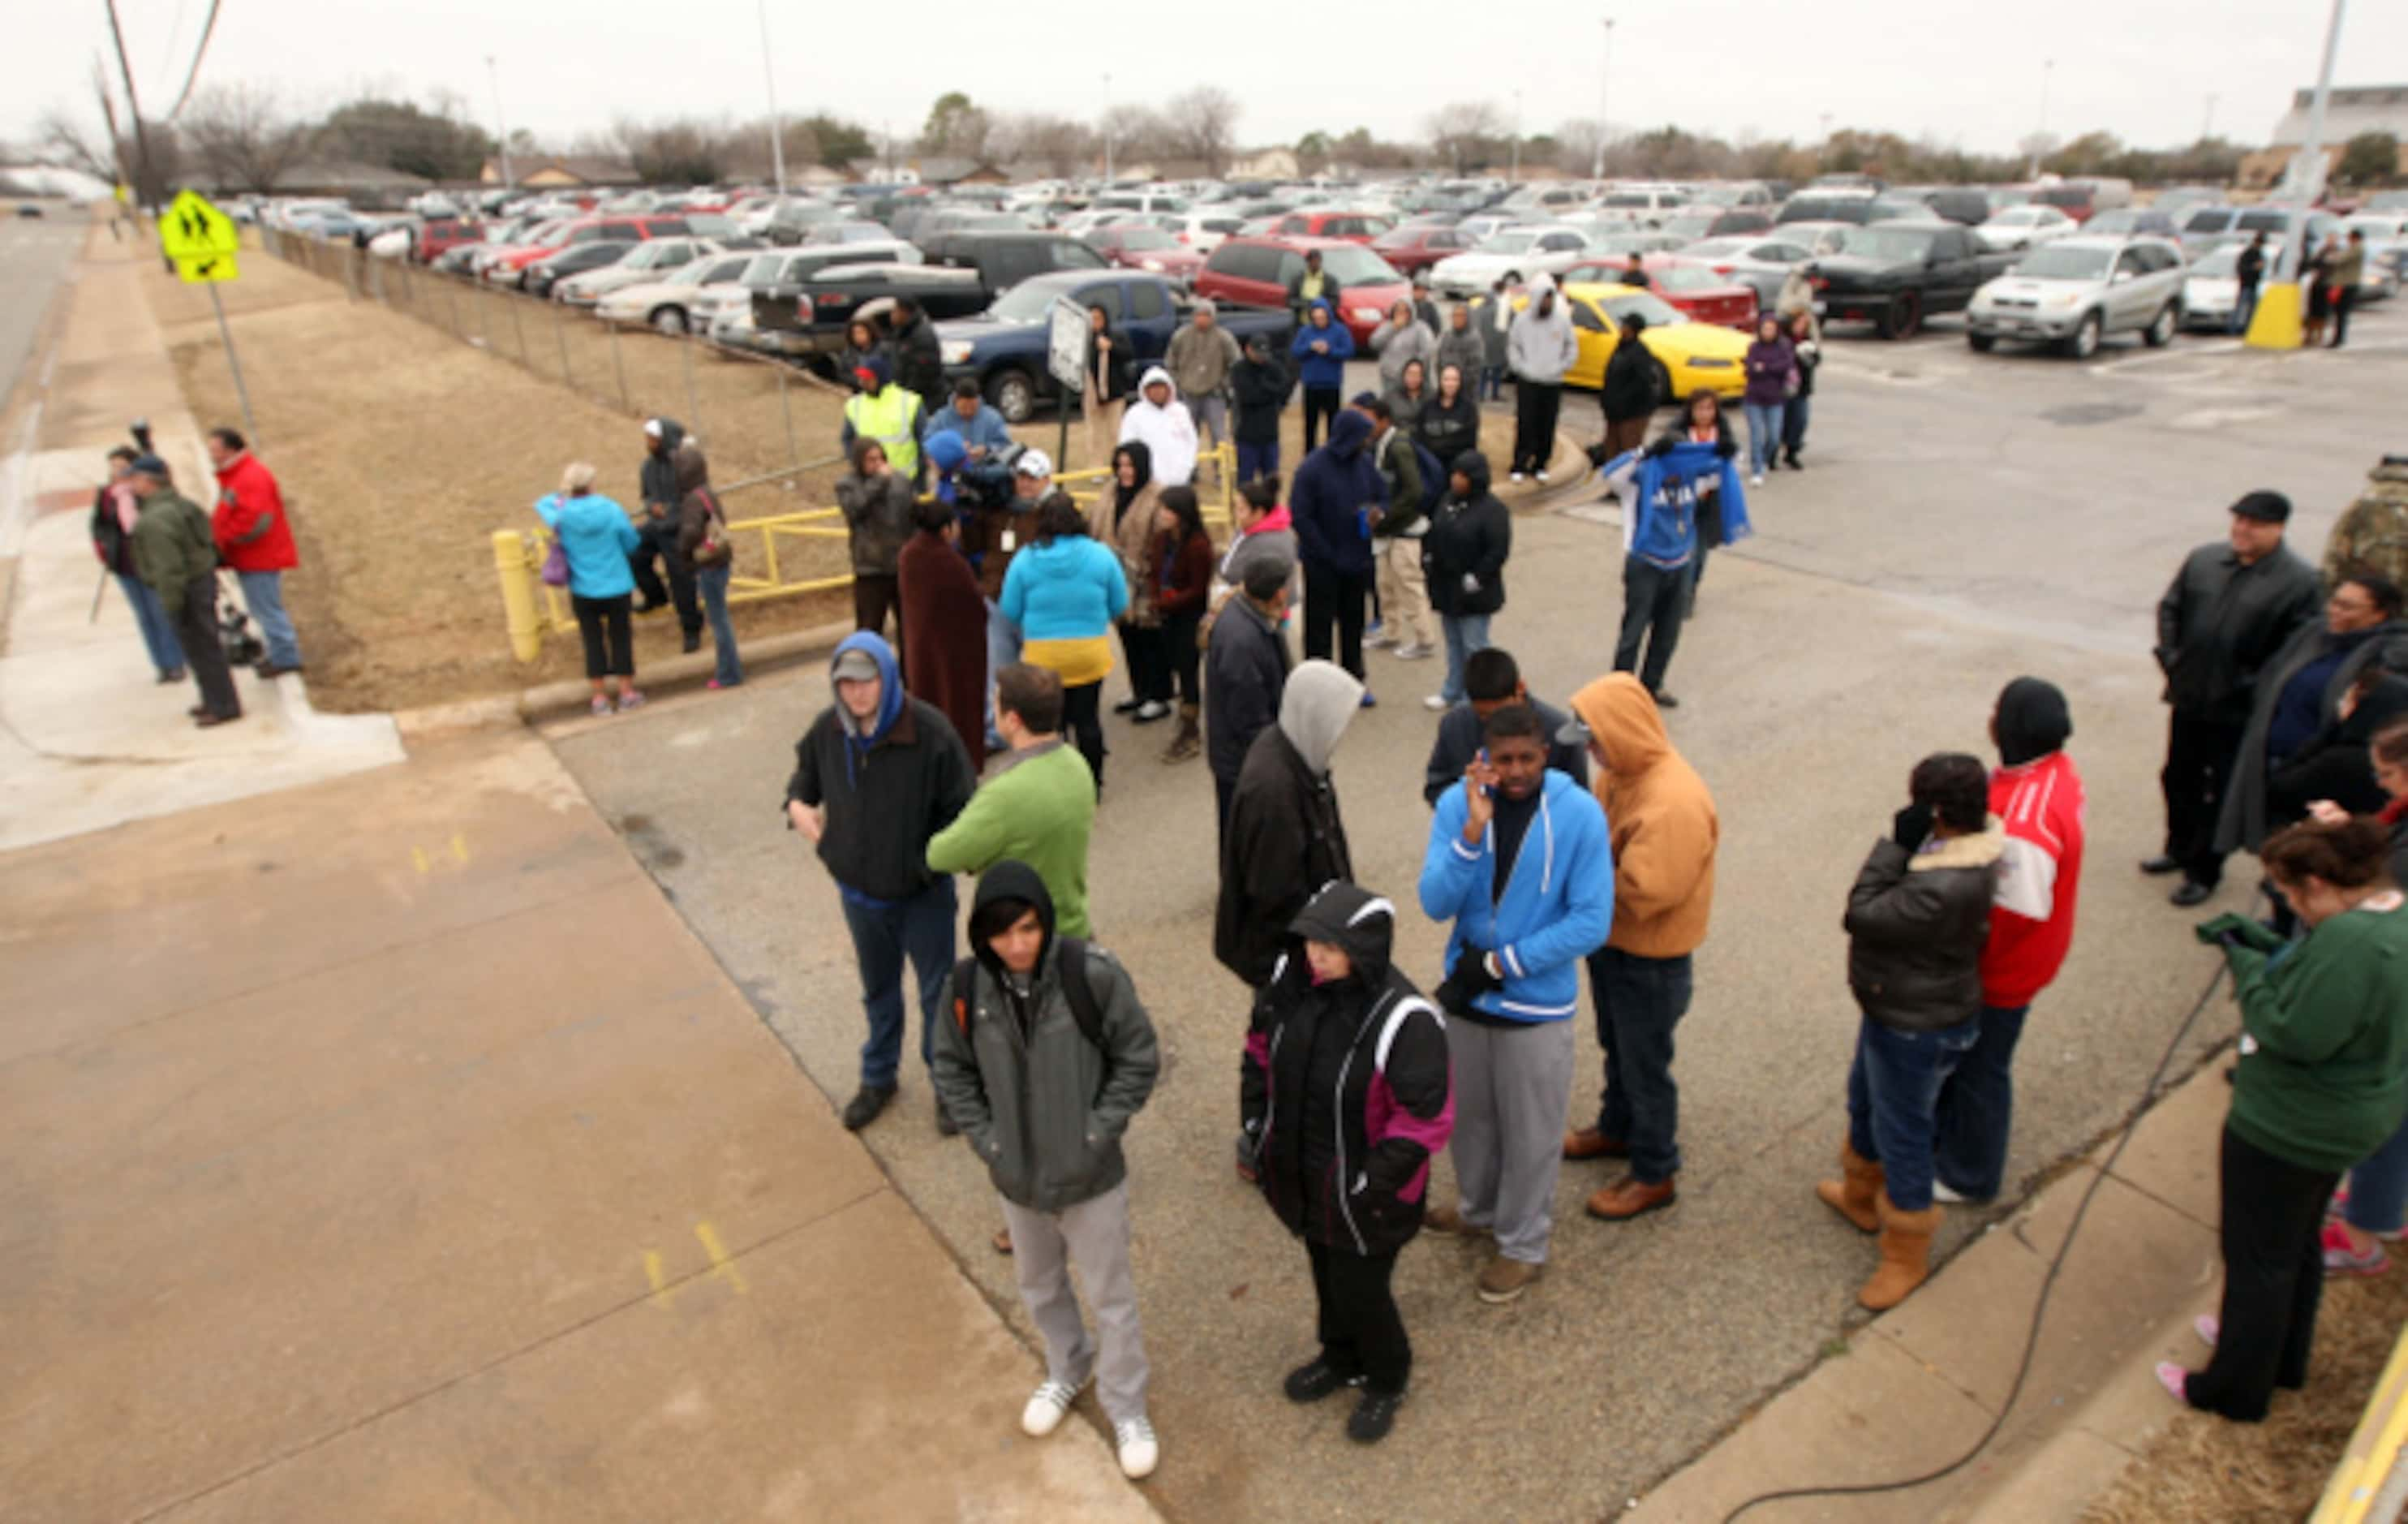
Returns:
(1965, 519)
(35, 255)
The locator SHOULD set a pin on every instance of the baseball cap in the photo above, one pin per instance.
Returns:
(1036, 463)
(151, 466)
(856, 664)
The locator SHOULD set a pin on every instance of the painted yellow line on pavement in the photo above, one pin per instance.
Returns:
(721, 1263)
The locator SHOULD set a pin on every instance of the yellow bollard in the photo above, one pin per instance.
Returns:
(2275, 325)
(515, 569)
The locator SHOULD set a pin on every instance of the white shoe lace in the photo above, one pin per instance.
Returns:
(1060, 1394)
(1133, 1432)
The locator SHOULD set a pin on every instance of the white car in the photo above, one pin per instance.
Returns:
(2021, 227)
(2076, 291)
(669, 304)
(2212, 289)
(1760, 261)
(1485, 225)
(1514, 255)
(1201, 231)
(654, 259)
(2386, 251)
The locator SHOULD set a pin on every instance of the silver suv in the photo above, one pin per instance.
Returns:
(2076, 291)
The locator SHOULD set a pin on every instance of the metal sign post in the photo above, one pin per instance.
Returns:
(234, 363)
(1066, 359)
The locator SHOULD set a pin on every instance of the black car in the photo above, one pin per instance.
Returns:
(576, 259)
(1896, 274)
(1846, 206)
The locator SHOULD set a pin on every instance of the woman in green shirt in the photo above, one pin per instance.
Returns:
(2322, 1082)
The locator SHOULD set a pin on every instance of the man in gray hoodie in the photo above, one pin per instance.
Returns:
(1538, 349)
(1286, 838)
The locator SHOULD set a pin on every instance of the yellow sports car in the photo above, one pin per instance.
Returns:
(1700, 356)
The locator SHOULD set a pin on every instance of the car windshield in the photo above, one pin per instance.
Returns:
(1027, 302)
(2213, 219)
(2265, 222)
(1356, 266)
(2220, 262)
(2022, 216)
(2058, 262)
(1891, 243)
(1638, 303)
(1144, 238)
(1628, 199)
(763, 270)
(2063, 195)
(1686, 278)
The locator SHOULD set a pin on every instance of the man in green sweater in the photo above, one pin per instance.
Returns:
(1039, 808)
(175, 553)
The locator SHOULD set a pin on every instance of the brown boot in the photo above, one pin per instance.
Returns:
(1190, 738)
(1906, 1255)
(1853, 1195)
(1590, 1143)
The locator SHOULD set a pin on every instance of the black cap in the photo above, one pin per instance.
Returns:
(2265, 507)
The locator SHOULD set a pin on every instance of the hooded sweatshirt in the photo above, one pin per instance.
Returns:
(1465, 548)
(1333, 489)
(1660, 817)
(696, 507)
(1396, 343)
(1261, 386)
(2036, 795)
(1344, 1088)
(658, 479)
(878, 512)
(1286, 838)
(1540, 348)
(1324, 371)
(1461, 346)
(886, 790)
(1167, 430)
(1916, 923)
(1671, 482)
(1555, 908)
(597, 537)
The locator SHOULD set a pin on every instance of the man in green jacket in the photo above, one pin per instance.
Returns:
(1039, 807)
(175, 553)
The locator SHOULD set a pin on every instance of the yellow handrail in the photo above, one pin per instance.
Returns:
(2375, 1449)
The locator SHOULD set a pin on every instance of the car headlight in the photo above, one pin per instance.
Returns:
(956, 351)
(2064, 299)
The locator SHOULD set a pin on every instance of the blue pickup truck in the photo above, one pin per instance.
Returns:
(1004, 347)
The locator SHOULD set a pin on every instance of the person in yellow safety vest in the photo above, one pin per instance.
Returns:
(886, 412)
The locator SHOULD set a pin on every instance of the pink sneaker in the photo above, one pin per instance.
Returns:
(2205, 1326)
(2338, 1207)
(2172, 1377)
(2342, 1257)
(601, 705)
(630, 699)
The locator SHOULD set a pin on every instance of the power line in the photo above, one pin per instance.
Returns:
(208, 27)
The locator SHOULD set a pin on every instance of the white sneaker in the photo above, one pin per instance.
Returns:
(1139, 1450)
(1941, 1193)
(1437, 704)
(1755, 481)
(1515, 477)
(1414, 652)
(1046, 1407)
(1380, 641)
(1542, 476)
(1151, 711)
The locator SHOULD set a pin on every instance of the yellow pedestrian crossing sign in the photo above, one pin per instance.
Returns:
(205, 269)
(195, 230)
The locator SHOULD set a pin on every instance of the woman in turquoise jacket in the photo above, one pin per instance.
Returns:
(1062, 594)
(597, 537)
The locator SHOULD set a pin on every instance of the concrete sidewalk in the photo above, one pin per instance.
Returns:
(389, 1149)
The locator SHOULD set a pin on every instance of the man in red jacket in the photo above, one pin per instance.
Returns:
(255, 539)
(2038, 795)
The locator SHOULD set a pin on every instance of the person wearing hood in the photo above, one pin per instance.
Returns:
(861, 341)
(1424, 308)
(1540, 347)
(1636, 384)
(1245, 675)
(943, 617)
(1519, 866)
(1463, 566)
(1321, 348)
(1160, 422)
(1345, 1093)
(1337, 491)
(1916, 921)
(255, 540)
(1044, 1079)
(887, 411)
(1670, 487)
(1772, 364)
(1110, 365)
(1397, 536)
(704, 542)
(1409, 395)
(1062, 594)
(1182, 573)
(2036, 793)
(919, 359)
(115, 510)
(878, 774)
(1201, 357)
(1261, 385)
(1403, 337)
(1661, 820)
(176, 555)
(876, 500)
(1492, 680)
(658, 531)
(1285, 837)
(1448, 421)
(2297, 699)
(1459, 344)
(1124, 517)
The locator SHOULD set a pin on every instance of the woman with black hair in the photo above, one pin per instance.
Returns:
(1062, 595)
(1124, 519)
(1182, 584)
(1110, 363)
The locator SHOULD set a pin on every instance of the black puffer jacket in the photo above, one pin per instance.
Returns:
(1635, 382)
(1469, 537)
(1344, 1089)
(1915, 928)
(2220, 621)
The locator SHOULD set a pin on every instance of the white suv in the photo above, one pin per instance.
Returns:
(2074, 291)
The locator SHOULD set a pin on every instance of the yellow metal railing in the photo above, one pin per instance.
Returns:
(2373, 1451)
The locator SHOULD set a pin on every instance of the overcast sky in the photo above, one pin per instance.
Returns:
(2143, 69)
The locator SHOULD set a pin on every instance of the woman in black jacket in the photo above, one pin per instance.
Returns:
(1110, 362)
(1916, 921)
(1462, 561)
(1345, 1098)
(1262, 385)
(1449, 423)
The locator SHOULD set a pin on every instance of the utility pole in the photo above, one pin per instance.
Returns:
(1107, 129)
(141, 138)
(1604, 88)
(776, 125)
(501, 126)
(1514, 174)
(2312, 152)
(2040, 133)
(2207, 122)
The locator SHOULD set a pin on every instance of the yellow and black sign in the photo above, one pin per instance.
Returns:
(200, 271)
(192, 229)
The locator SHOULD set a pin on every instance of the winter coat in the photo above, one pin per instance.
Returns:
(1769, 368)
(1660, 818)
(251, 526)
(1463, 554)
(1396, 344)
(1331, 494)
(1494, 321)
(1808, 353)
(1130, 531)
(885, 792)
(2374, 530)
(1461, 738)
(2038, 798)
(658, 485)
(919, 360)
(1298, 306)
(1557, 908)
(697, 505)
(1915, 928)
(1168, 431)
(1540, 348)
(172, 548)
(596, 536)
(1286, 838)
(1635, 382)
(1181, 575)
(2220, 621)
(1071, 589)
(1360, 1182)
(2246, 821)
(1401, 475)
(1322, 369)
(1687, 493)
(983, 427)
(1464, 348)
(1405, 408)
(1272, 536)
(1041, 1105)
(1262, 388)
(944, 637)
(1111, 380)
(1245, 673)
(2338, 764)
(878, 511)
(1447, 429)
(1200, 359)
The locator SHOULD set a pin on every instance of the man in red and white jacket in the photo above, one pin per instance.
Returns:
(2038, 795)
(255, 539)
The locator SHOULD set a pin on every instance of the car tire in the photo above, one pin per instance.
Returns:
(2161, 329)
(1903, 320)
(2083, 343)
(1013, 393)
(1981, 343)
(669, 321)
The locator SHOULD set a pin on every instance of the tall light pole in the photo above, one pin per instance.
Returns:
(776, 125)
(2207, 122)
(1604, 84)
(501, 127)
(1514, 174)
(2039, 133)
(1107, 129)
(2312, 152)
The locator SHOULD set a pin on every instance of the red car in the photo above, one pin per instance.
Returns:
(441, 235)
(1412, 249)
(1258, 272)
(1700, 292)
(1148, 248)
(1349, 226)
(509, 267)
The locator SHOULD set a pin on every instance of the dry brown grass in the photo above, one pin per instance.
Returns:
(2204, 1468)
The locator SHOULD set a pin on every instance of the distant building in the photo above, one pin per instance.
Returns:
(1273, 164)
(562, 171)
(361, 184)
(2348, 111)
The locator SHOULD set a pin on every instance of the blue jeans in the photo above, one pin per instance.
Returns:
(711, 583)
(1003, 646)
(1893, 1091)
(158, 630)
(1465, 634)
(1977, 1108)
(1794, 416)
(2245, 307)
(2378, 1187)
(1639, 1001)
(1492, 385)
(1255, 460)
(1763, 434)
(920, 929)
(264, 591)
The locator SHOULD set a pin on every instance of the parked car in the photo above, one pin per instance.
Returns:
(808, 316)
(2127, 222)
(712, 307)
(2212, 289)
(2021, 227)
(1256, 272)
(1737, 193)
(1416, 247)
(440, 234)
(2074, 291)
(1693, 287)
(1894, 275)
(1698, 356)
(1645, 207)
(828, 235)
(1201, 231)
(2176, 199)
(1003, 260)
(787, 221)
(654, 260)
(2387, 249)
(2081, 199)
(1761, 263)
(1513, 256)
(1004, 348)
(959, 220)
(1689, 226)
(508, 265)
(1328, 223)
(1856, 206)
(540, 277)
(1967, 204)
(1147, 249)
(667, 303)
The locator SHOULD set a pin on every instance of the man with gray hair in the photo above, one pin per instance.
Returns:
(1201, 356)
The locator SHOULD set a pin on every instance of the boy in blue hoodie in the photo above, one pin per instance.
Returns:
(1520, 861)
(1321, 349)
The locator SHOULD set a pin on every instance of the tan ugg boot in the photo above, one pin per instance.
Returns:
(1189, 740)
(1853, 1195)
(1906, 1255)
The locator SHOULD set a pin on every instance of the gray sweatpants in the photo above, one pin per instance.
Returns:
(1094, 1236)
(1511, 1085)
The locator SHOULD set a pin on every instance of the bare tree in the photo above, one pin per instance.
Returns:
(1576, 145)
(242, 137)
(1465, 131)
(1202, 124)
(1135, 132)
(1062, 146)
(685, 151)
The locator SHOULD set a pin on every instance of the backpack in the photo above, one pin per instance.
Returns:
(1084, 1008)
(1433, 475)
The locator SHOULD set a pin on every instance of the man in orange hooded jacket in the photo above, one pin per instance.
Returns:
(1665, 834)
